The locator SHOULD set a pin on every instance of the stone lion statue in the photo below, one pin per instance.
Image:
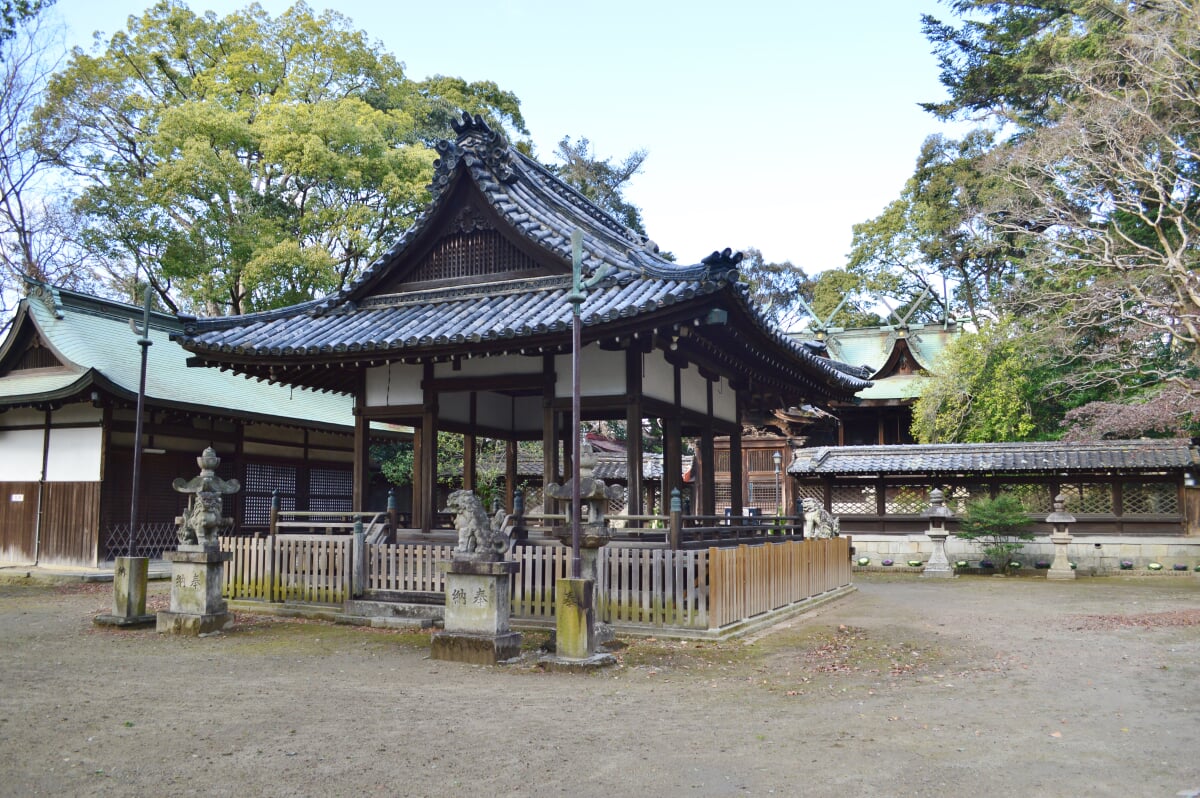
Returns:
(202, 522)
(479, 537)
(818, 523)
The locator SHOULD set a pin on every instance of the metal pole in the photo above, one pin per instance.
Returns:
(576, 299)
(144, 342)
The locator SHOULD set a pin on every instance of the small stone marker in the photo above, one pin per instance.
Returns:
(129, 594)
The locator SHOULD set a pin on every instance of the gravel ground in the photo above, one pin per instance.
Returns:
(1014, 686)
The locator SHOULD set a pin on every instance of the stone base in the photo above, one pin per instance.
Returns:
(938, 572)
(1053, 574)
(125, 621)
(476, 649)
(551, 662)
(190, 623)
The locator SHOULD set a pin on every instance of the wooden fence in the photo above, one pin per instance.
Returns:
(652, 587)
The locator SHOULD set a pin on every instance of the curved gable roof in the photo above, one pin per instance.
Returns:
(386, 314)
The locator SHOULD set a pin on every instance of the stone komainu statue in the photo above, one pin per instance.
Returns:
(202, 521)
(818, 523)
(479, 537)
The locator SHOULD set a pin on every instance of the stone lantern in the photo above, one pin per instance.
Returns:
(1061, 538)
(937, 513)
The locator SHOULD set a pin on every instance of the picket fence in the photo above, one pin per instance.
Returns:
(636, 586)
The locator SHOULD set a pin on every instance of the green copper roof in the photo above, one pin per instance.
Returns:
(94, 339)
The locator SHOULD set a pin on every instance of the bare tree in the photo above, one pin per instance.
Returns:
(1111, 193)
(37, 227)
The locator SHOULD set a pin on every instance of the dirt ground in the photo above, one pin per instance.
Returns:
(907, 687)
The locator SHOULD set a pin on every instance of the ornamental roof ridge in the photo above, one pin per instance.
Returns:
(503, 288)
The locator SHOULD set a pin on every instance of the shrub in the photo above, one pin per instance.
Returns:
(998, 526)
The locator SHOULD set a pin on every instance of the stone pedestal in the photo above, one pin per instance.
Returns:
(478, 609)
(129, 594)
(196, 604)
(1061, 567)
(938, 565)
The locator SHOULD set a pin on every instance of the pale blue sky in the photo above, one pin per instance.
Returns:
(776, 125)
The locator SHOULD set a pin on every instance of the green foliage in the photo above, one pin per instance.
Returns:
(935, 239)
(982, 390)
(249, 161)
(14, 12)
(601, 180)
(998, 526)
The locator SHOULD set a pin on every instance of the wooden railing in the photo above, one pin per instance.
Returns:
(707, 588)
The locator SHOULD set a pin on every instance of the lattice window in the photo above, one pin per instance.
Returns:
(764, 494)
(906, 499)
(476, 254)
(724, 494)
(811, 491)
(330, 482)
(721, 461)
(1149, 498)
(853, 500)
(1084, 497)
(1034, 498)
(959, 496)
(761, 460)
(261, 480)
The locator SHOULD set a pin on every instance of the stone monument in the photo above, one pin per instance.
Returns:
(937, 512)
(129, 594)
(1061, 538)
(197, 565)
(478, 599)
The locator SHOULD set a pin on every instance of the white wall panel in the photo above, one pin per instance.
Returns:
(20, 455)
(74, 455)
(694, 390)
(601, 373)
(490, 366)
(724, 401)
(658, 377)
(394, 384)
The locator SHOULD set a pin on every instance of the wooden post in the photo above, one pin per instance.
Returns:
(362, 459)
(510, 474)
(271, 578)
(737, 485)
(429, 451)
(359, 556)
(549, 432)
(675, 535)
(634, 504)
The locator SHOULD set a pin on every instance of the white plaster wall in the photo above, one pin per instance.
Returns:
(74, 455)
(494, 410)
(490, 366)
(455, 407)
(527, 413)
(21, 460)
(601, 373)
(394, 384)
(658, 377)
(693, 390)
(81, 412)
(724, 401)
(22, 417)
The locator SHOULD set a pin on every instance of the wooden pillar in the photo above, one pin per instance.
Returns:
(737, 486)
(510, 473)
(549, 432)
(469, 475)
(360, 471)
(429, 450)
(708, 472)
(673, 446)
(633, 433)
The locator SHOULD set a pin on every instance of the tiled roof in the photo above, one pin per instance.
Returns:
(94, 337)
(1139, 455)
(632, 281)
